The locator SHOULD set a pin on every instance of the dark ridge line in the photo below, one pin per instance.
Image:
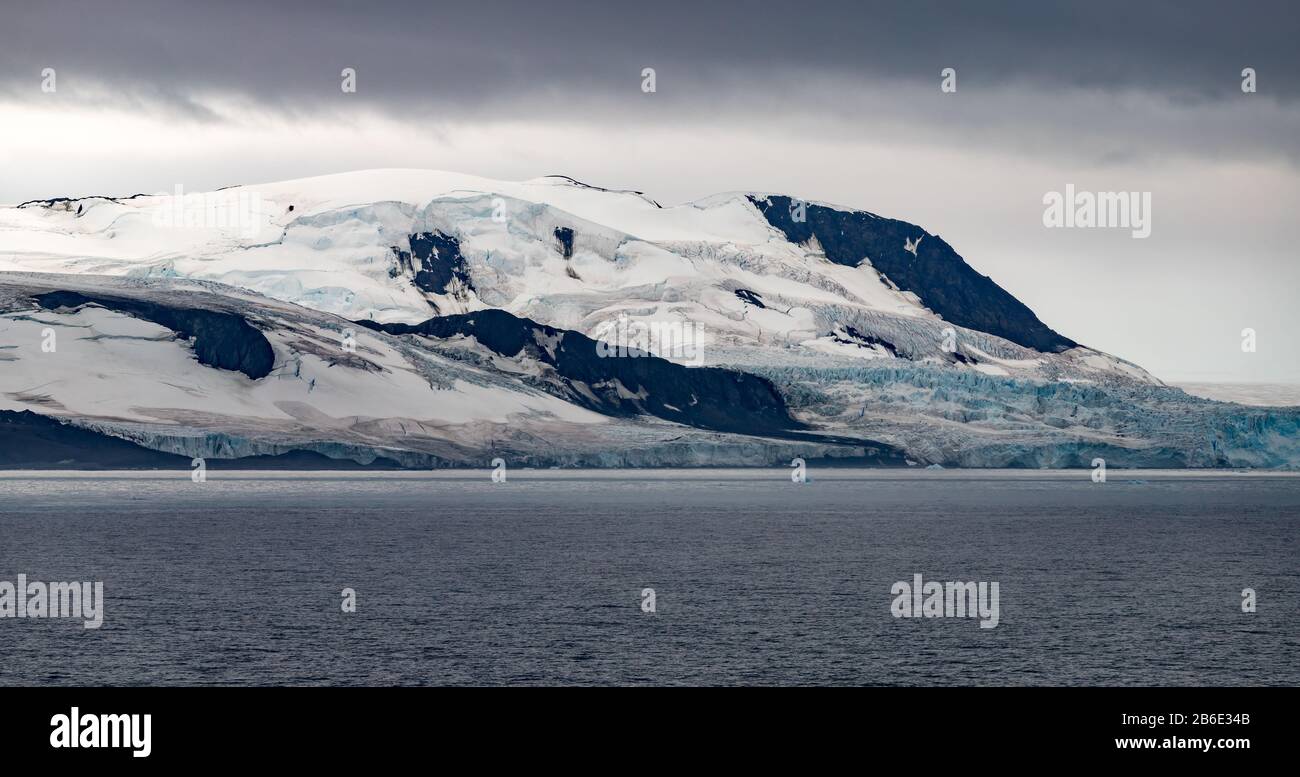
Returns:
(715, 399)
(573, 180)
(222, 340)
(34, 441)
(56, 200)
(937, 274)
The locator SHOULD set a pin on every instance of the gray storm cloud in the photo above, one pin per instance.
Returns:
(421, 53)
(1191, 49)
(1144, 77)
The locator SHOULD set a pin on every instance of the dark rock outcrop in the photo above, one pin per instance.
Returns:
(705, 397)
(565, 236)
(751, 297)
(222, 340)
(852, 336)
(437, 261)
(936, 274)
(32, 441)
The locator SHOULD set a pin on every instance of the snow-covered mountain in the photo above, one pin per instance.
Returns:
(423, 318)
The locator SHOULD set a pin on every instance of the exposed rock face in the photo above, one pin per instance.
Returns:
(935, 273)
(222, 340)
(706, 397)
(441, 268)
(565, 236)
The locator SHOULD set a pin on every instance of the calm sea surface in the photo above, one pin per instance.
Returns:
(757, 580)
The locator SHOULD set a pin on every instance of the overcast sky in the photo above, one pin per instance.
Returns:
(830, 101)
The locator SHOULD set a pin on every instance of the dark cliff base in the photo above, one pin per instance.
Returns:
(31, 441)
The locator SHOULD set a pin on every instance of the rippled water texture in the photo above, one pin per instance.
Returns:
(758, 580)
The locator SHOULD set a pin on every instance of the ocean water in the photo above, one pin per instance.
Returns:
(758, 580)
